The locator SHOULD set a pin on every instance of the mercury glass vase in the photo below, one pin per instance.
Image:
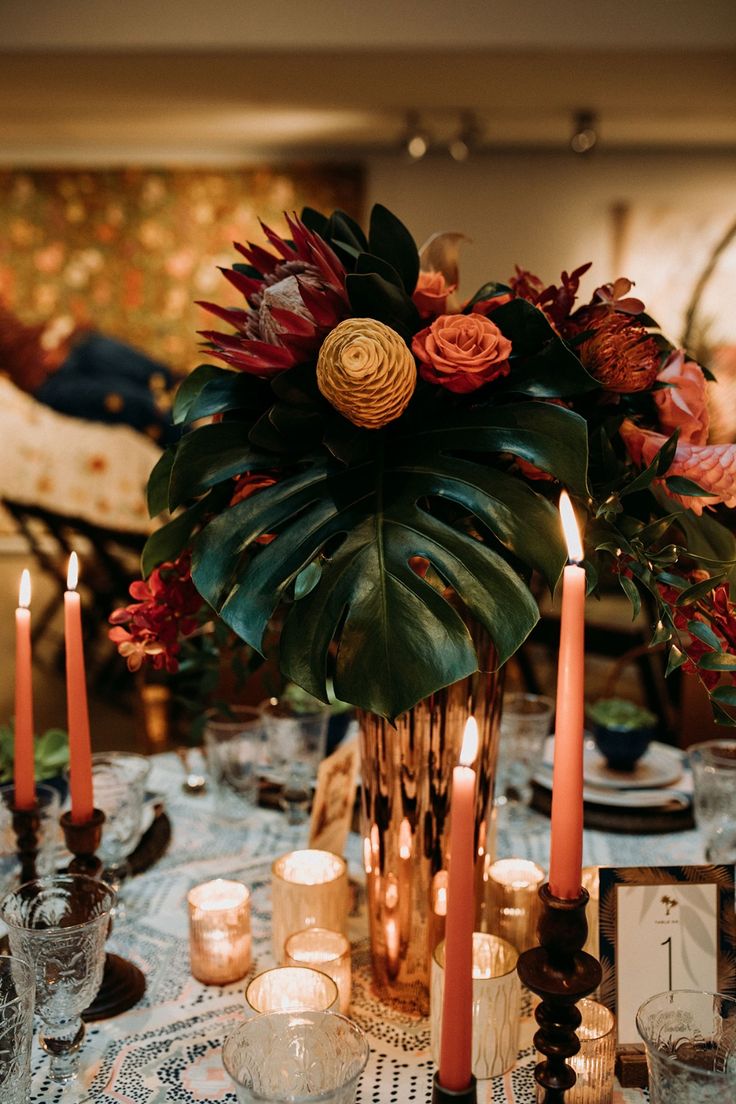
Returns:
(407, 777)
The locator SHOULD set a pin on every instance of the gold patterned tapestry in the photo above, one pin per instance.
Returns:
(129, 251)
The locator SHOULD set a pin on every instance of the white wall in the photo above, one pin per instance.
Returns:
(545, 211)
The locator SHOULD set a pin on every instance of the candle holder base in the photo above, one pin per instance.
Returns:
(26, 825)
(123, 985)
(83, 840)
(561, 973)
(441, 1095)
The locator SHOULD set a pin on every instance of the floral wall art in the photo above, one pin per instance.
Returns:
(129, 251)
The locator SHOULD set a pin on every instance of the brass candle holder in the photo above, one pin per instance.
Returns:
(123, 984)
(561, 973)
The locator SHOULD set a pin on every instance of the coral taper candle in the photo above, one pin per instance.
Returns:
(25, 784)
(80, 750)
(455, 1070)
(566, 847)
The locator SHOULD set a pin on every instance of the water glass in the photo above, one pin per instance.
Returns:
(525, 724)
(690, 1040)
(296, 744)
(119, 785)
(234, 748)
(59, 925)
(714, 775)
(296, 1057)
(48, 835)
(17, 991)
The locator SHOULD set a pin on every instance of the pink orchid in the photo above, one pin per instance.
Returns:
(615, 297)
(712, 467)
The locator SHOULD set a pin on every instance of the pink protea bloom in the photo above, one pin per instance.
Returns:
(712, 467)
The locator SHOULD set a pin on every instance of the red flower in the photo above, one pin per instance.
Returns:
(165, 609)
(431, 294)
(297, 298)
(461, 352)
(556, 302)
(621, 355)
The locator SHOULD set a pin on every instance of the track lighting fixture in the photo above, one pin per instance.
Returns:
(466, 140)
(584, 131)
(416, 140)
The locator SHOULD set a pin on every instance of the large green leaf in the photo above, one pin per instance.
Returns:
(390, 240)
(211, 390)
(208, 456)
(396, 639)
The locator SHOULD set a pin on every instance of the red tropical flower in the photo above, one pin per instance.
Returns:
(620, 353)
(297, 297)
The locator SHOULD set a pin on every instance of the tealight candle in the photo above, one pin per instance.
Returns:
(512, 893)
(219, 931)
(292, 989)
(309, 889)
(328, 951)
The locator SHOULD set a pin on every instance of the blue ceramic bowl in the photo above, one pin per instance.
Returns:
(622, 748)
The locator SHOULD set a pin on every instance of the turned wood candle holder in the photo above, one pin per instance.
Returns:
(561, 973)
(123, 984)
(441, 1095)
(26, 825)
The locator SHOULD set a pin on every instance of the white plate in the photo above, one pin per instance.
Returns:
(660, 765)
(661, 797)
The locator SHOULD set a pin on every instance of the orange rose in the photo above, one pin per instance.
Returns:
(430, 294)
(462, 352)
(683, 405)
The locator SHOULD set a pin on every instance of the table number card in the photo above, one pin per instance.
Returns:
(663, 928)
(334, 798)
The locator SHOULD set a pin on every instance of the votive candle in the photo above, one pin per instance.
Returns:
(512, 895)
(328, 951)
(219, 931)
(594, 1063)
(309, 889)
(292, 989)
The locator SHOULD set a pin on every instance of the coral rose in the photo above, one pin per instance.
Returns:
(431, 294)
(462, 352)
(683, 405)
(365, 369)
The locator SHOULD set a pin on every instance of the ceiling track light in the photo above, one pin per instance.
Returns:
(416, 140)
(466, 140)
(584, 131)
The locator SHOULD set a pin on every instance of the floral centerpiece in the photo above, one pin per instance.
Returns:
(373, 443)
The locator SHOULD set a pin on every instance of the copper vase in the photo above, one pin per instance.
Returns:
(407, 773)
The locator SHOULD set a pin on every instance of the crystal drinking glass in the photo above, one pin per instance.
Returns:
(234, 746)
(296, 745)
(17, 987)
(525, 725)
(59, 925)
(296, 1057)
(714, 777)
(119, 784)
(690, 1040)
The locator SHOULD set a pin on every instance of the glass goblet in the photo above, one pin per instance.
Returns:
(17, 985)
(296, 744)
(59, 925)
(119, 784)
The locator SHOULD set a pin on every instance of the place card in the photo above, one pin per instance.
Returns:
(661, 928)
(334, 798)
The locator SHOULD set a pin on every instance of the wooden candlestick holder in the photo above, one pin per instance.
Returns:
(561, 973)
(441, 1095)
(26, 825)
(123, 984)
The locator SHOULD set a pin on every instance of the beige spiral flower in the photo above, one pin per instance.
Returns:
(366, 370)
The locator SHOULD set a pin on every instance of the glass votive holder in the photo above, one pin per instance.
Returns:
(309, 889)
(219, 931)
(328, 951)
(496, 1004)
(594, 1062)
(285, 1057)
(292, 989)
(591, 882)
(512, 900)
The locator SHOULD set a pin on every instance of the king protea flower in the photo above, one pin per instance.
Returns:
(620, 353)
(297, 298)
(712, 467)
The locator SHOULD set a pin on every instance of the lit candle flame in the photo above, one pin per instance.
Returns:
(24, 590)
(571, 530)
(469, 749)
(72, 575)
(405, 839)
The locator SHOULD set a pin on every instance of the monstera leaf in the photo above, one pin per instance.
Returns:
(386, 634)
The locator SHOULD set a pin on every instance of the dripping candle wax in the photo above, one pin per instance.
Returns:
(80, 751)
(457, 1006)
(566, 844)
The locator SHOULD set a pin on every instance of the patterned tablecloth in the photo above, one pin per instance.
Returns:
(167, 1049)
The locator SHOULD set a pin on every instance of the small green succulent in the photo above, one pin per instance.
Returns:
(620, 715)
(51, 752)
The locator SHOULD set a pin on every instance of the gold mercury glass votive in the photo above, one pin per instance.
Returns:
(496, 1004)
(292, 989)
(328, 951)
(512, 900)
(591, 882)
(309, 889)
(219, 931)
(594, 1062)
